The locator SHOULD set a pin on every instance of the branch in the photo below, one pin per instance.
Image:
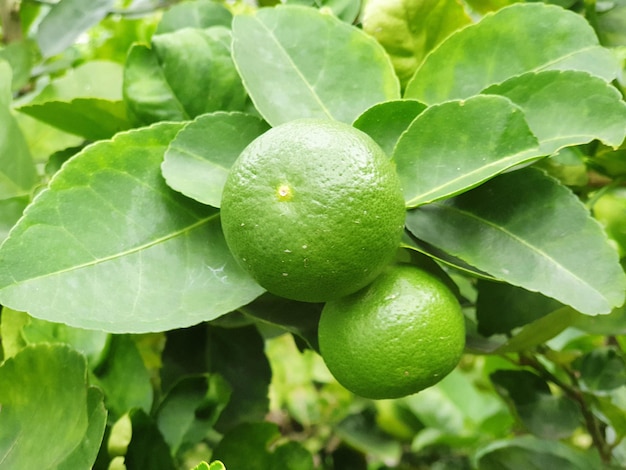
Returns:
(10, 18)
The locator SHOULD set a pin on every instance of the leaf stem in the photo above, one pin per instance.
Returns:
(574, 392)
(10, 19)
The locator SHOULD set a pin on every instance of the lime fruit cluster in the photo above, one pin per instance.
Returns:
(313, 210)
(402, 333)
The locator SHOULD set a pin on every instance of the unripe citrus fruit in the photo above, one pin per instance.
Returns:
(313, 209)
(610, 210)
(399, 335)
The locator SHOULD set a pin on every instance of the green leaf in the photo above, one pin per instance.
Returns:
(566, 108)
(501, 307)
(443, 411)
(147, 448)
(190, 409)
(542, 413)
(531, 453)
(46, 408)
(85, 453)
(198, 160)
(361, 432)
(124, 378)
(545, 241)
(11, 324)
(300, 318)
(86, 101)
(21, 56)
(17, 171)
(250, 446)
(336, 76)
(186, 73)
(237, 354)
(540, 331)
(67, 20)
(124, 253)
(216, 465)
(91, 343)
(409, 29)
(385, 122)
(447, 149)
(602, 369)
(544, 37)
(198, 14)
(10, 211)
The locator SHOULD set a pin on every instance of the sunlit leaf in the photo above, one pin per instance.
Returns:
(45, 408)
(289, 76)
(543, 37)
(457, 145)
(545, 241)
(184, 74)
(67, 20)
(409, 29)
(198, 160)
(17, 171)
(385, 122)
(197, 14)
(565, 108)
(123, 252)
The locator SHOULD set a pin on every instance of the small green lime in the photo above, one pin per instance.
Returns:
(313, 209)
(610, 210)
(399, 335)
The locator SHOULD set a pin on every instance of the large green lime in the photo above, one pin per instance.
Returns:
(313, 209)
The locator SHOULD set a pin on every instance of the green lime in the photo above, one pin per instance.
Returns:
(399, 335)
(313, 209)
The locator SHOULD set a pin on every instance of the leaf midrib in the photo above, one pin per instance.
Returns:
(521, 241)
(121, 254)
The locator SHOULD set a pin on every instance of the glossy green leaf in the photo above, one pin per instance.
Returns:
(565, 108)
(198, 14)
(542, 413)
(531, 453)
(186, 73)
(190, 409)
(545, 240)
(361, 432)
(123, 252)
(45, 408)
(67, 20)
(544, 37)
(86, 101)
(409, 29)
(612, 24)
(602, 369)
(385, 122)
(17, 171)
(216, 465)
(124, 378)
(289, 76)
(92, 344)
(447, 149)
(198, 160)
(501, 307)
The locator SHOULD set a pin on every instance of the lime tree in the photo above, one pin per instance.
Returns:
(313, 209)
